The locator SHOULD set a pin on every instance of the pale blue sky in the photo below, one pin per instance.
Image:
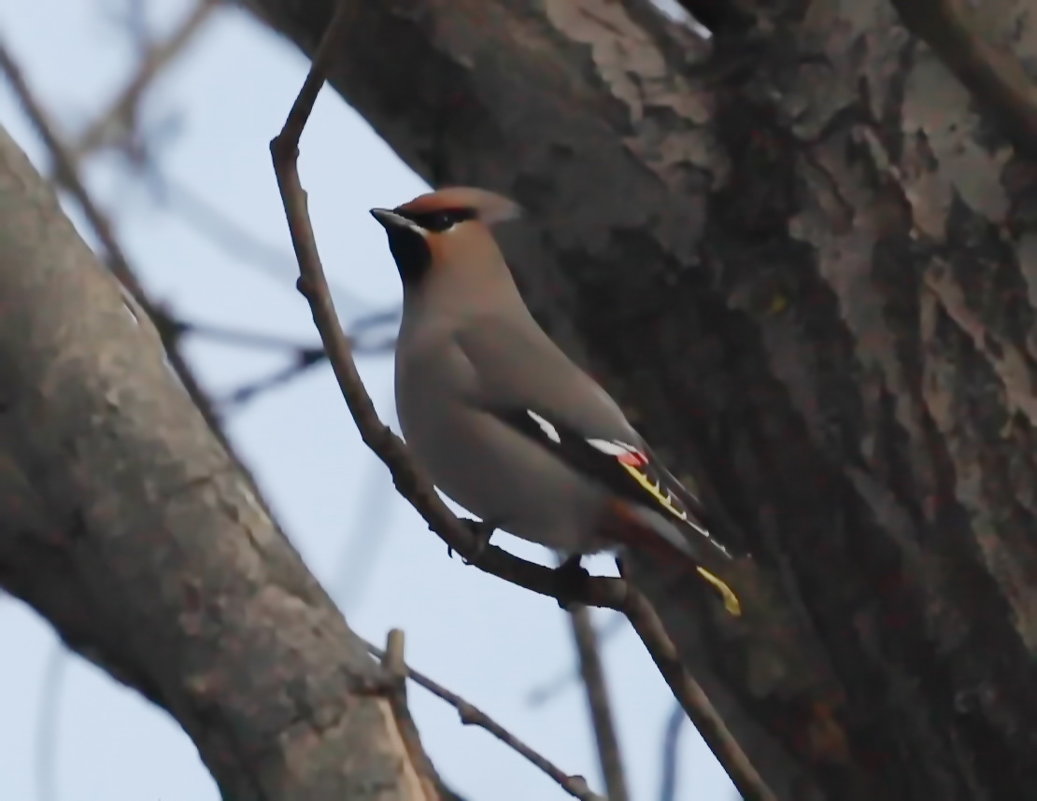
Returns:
(491, 642)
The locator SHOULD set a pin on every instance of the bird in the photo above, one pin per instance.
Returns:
(504, 422)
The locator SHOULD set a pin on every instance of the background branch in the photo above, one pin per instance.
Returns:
(49, 723)
(67, 174)
(117, 123)
(592, 672)
(546, 691)
(134, 296)
(670, 768)
(216, 225)
(245, 393)
(993, 74)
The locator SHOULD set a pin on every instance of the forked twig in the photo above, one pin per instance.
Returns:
(471, 715)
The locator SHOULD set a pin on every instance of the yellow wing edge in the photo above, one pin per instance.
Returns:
(731, 602)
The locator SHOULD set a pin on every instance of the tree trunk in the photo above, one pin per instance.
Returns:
(803, 256)
(127, 525)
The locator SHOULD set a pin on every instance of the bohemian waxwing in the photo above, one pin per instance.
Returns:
(503, 422)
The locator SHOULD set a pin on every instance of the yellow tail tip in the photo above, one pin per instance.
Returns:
(731, 602)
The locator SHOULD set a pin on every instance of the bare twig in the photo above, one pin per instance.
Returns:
(593, 674)
(67, 174)
(131, 16)
(278, 378)
(304, 356)
(394, 674)
(471, 715)
(243, 339)
(544, 692)
(367, 535)
(122, 112)
(416, 487)
(392, 657)
(994, 75)
(671, 740)
(51, 683)
(368, 333)
(412, 484)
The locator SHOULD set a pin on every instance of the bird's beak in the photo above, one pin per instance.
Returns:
(389, 220)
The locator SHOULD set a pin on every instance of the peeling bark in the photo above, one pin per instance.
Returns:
(807, 261)
(128, 526)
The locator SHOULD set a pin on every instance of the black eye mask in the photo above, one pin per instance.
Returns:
(438, 221)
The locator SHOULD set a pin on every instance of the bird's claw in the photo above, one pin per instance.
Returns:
(571, 575)
(482, 531)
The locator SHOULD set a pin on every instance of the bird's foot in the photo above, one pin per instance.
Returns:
(482, 531)
(571, 576)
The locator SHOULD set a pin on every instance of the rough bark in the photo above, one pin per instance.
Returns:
(806, 260)
(126, 524)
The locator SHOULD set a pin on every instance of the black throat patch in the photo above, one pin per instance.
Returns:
(411, 252)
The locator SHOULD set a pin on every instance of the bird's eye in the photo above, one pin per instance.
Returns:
(442, 221)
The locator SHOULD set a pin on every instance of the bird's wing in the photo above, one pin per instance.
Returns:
(526, 381)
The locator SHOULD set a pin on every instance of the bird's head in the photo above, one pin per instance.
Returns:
(445, 229)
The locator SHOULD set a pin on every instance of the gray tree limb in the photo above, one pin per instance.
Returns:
(126, 524)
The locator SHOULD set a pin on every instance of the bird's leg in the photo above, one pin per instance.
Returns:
(571, 575)
(482, 530)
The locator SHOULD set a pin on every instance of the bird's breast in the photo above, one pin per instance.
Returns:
(481, 463)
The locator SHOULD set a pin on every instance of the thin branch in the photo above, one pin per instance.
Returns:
(392, 656)
(48, 720)
(412, 484)
(593, 674)
(394, 675)
(470, 715)
(372, 326)
(242, 339)
(416, 487)
(131, 17)
(365, 541)
(693, 698)
(994, 75)
(122, 112)
(247, 392)
(304, 356)
(67, 174)
(671, 740)
(545, 692)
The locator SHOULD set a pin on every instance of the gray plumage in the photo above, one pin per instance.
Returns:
(501, 419)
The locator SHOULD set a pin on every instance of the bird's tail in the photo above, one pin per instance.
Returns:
(640, 531)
